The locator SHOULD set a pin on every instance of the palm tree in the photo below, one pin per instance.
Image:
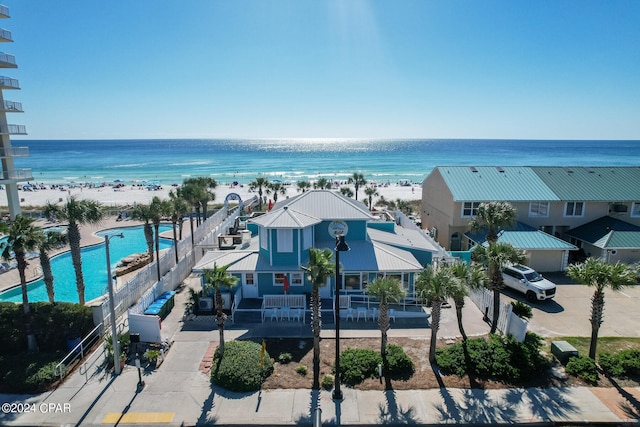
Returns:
(601, 275)
(50, 241)
(371, 192)
(435, 286)
(386, 290)
(303, 186)
(358, 180)
(259, 183)
(189, 193)
(179, 208)
(322, 184)
(76, 212)
(403, 206)
(470, 277)
(205, 184)
(346, 191)
(494, 258)
(217, 279)
(319, 270)
(493, 216)
(277, 188)
(142, 212)
(157, 210)
(23, 237)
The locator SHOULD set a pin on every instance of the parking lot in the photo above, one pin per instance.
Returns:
(569, 312)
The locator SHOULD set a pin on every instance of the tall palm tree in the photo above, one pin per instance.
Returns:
(493, 216)
(322, 183)
(470, 277)
(179, 208)
(435, 286)
(259, 183)
(386, 290)
(23, 237)
(494, 258)
(189, 193)
(303, 186)
(50, 241)
(142, 212)
(217, 279)
(601, 275)
(76, 212)
(358, 180)
(158, 209)
(346, 191)
(319, 270)
(205, 184)
(371, 192)
(277, 188)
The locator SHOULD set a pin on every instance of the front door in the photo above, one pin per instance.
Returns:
(249, 286)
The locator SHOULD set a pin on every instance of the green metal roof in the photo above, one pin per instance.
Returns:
(592, 183)
(608, 233)
(490, 183)
(534, 240)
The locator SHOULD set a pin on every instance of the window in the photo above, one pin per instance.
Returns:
(296, 279)
(538, 209)
(470, 209)
(307, 238)
(352, 282)
(248, 278)
(264, 237)
(574, 209)
(285, 240)
(635, 210)
(278, 279)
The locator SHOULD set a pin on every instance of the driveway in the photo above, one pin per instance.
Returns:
(569, 312)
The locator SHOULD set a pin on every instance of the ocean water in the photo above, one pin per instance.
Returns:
(227, 160)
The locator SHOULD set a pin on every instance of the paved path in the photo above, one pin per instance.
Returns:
(178, 393)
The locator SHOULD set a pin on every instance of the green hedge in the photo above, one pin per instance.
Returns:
(583, 367)
(53, 324)
(624, 363)
(241, 368)
(358, 364)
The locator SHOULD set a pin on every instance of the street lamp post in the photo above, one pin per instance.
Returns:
(341, 246)
(112, 306)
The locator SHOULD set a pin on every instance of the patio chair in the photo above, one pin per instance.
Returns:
(349, 313)
(297, 314)
(392, 314)
(362, 311)
(373, 313)
(274, 314)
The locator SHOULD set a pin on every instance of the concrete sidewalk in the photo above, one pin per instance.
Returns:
(177, 393)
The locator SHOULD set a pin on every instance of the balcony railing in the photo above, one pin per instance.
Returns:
(14, 152)
(5, 35)
(12, 106)
(4, 11)
(9, 83)
(13, 130)
(7, 61)
(17, 174)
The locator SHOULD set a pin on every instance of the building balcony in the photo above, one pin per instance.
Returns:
(4, 11)
(16, 175)
(13, 130)
(11, 107)
(5, 35)
(7, 61)
(14, 152)
(9, 83)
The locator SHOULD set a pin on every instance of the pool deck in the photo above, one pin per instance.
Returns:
(11, 278)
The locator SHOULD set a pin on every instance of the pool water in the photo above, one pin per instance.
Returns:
(94, 267)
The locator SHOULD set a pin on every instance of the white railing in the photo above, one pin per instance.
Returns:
(13, 129)
(9, 59)
(8, 82)
(5, 34)
(17, 174)
(237, 299)
(77, 352)
(4, 10)
(13, 106)
(508, 323)
(14, 152)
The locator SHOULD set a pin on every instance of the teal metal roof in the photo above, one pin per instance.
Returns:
(491, 183)
(608, 233)
(592, 183)
(525, 237)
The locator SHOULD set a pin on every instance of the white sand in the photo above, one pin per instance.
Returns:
(128, 195)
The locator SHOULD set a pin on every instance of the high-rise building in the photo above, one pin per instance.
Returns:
(10, 175)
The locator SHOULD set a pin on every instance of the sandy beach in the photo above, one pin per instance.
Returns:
(128, 195)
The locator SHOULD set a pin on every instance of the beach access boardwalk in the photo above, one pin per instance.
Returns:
(178, 393)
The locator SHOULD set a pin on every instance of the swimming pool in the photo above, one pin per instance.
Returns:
(94, 267)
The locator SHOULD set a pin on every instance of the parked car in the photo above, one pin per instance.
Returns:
(529, 282)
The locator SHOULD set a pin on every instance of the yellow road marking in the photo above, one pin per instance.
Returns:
(138, 417)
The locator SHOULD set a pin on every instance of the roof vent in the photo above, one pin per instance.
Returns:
(500, 169)
(567, 170)
(473, 169)
(590, 170)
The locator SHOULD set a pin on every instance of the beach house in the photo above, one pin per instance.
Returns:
(280, 241)
(563, 213)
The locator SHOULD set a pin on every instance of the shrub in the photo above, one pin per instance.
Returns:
(28, 373)
(583, 367)
(522, 310)
(359, 363)
(241, 368)
(327, 382)
(302, 370)
(624, 363)
(284, 358)
(398, 362)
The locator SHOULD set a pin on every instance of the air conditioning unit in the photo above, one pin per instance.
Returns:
(205, 304)
(619, 208)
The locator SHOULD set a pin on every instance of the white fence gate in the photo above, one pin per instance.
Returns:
(508, 323)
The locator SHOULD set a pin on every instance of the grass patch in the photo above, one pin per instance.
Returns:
(605, 344)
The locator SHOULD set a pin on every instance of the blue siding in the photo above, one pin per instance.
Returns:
(388, 226)
(284, 258)
(357, 230)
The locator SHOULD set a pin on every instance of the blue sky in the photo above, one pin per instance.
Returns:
(550, 69)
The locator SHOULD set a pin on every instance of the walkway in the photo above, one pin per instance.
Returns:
(178, 393)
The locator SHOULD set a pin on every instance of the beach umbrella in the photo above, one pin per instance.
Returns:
(286, 284)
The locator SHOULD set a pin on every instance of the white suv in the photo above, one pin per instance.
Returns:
(529, 282)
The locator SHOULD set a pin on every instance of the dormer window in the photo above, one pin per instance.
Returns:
(574, 209)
